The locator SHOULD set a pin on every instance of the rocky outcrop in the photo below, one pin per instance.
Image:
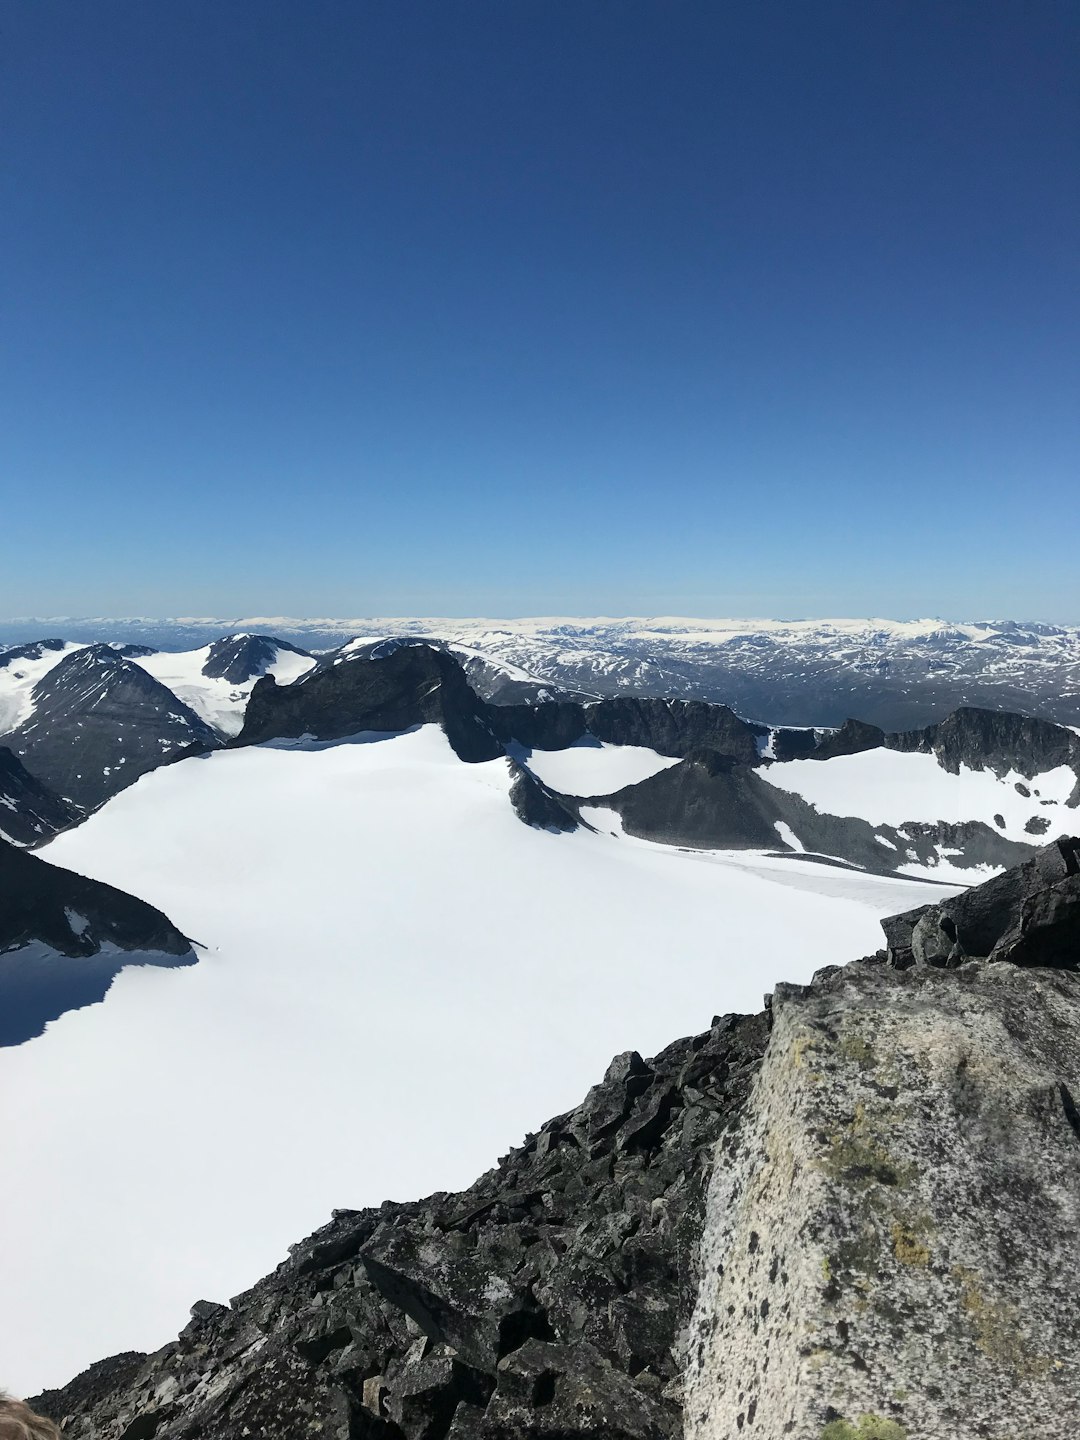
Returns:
(537, 804)
(30, 812)
(890, 1246)
(99, 722)
(546, 1302)
(64, 938)
(675, 727)
(390, 689)
(710, 801)
(1030, 915)
(853, 737)
(994, 740)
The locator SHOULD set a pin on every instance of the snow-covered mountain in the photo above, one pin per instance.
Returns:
(96, 721)
(896, 674)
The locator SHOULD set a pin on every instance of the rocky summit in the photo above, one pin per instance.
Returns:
(851, 1217)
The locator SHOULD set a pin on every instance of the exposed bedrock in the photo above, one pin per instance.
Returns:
(64, 938)
(409, 685)
(1030, 915)
(30, 812)
(890, 1246)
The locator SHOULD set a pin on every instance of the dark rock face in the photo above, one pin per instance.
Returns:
(670, 727)
(852, 738)
(791, 744)
(709, 801)
(391, 691)
(53, 927)
(537, 804)
(993, 739)
(100, 722)
(29, 811)
(675, 727)
(237, 658)
(547, 1302)
(1030, 915)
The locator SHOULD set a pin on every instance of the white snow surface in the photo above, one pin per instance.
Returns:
(219, 702)
(400, 979)
(18, 679)
(593, 767)
(891, 787)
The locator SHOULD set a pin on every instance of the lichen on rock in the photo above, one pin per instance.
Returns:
(890, 1248)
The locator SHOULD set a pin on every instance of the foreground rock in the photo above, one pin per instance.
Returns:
(64, 938)
(890, 1251)
(547, 1301)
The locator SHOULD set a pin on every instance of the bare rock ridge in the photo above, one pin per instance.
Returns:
(29, 811)
(852, 1217)
(64, 938)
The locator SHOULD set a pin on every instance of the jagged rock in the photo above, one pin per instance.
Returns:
(63, 939)
(793, 744)
(890, 1239)
(674, 727)
(389, 690)
(537, 804)
(995, 740)
(549, 1392)
(1028, 916)
(29, 811)
(852, 738)
(355, 1324)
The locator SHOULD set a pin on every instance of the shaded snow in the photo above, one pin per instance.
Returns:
(400, 980)
(592, 767)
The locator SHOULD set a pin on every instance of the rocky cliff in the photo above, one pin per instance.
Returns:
(852, 1217)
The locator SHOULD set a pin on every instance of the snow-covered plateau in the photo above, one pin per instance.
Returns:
(398, 980)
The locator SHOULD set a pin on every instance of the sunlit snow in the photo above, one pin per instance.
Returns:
(889, 787)
(592, 767)
(400, 979)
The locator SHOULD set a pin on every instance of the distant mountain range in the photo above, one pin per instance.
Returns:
(896, 674)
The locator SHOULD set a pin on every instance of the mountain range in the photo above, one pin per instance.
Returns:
(412, 905)
(896, 674)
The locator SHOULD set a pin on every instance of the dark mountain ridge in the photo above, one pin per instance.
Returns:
(64, 938)
(30, 812)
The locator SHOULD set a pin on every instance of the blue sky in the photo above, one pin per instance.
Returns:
(540, 306)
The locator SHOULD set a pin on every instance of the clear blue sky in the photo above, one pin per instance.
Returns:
(347, 307)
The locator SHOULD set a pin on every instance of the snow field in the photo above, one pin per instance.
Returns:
(400, 980)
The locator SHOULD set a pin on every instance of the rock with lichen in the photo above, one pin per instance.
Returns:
(890, 1247)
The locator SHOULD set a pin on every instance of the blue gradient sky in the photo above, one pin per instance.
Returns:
(540, 306)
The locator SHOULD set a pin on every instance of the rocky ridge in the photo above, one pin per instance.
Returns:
(29, 811)
(64, 938)
(766, 1221)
